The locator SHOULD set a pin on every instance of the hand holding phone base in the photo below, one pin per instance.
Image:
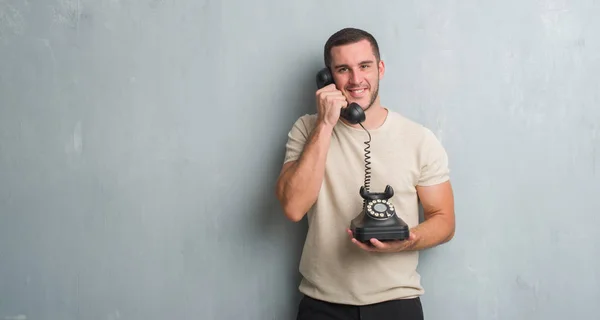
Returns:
(378, 218)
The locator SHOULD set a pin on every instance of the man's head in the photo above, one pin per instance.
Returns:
(353, 57)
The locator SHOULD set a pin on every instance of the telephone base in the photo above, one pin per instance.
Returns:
(381, 233)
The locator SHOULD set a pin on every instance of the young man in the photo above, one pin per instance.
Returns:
(321, 177)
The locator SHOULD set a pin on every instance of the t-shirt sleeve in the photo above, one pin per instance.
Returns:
(434, 161)
(297, 137)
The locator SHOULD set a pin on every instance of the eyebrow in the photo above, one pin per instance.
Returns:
(347, 66)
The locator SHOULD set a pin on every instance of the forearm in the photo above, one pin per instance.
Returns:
(298, 187)
(432, 232)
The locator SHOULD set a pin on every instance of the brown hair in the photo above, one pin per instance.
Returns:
(348, 36)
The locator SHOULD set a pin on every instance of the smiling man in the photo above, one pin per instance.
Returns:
(322, 172)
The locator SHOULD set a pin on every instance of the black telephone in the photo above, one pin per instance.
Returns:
(378, 218)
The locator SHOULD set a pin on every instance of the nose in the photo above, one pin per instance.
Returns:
(355, 77)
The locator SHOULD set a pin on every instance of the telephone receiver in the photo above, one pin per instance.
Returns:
(353, 113)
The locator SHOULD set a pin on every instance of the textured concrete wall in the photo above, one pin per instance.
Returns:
(140, 142)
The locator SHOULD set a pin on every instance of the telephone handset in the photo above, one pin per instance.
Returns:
(353, 112)
(378, 218)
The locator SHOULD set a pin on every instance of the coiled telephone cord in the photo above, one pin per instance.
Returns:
(367, 182)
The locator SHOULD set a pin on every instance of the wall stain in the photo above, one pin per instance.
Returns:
(12, 22)
(68, 13)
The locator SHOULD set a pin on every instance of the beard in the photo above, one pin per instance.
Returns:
(373, 97)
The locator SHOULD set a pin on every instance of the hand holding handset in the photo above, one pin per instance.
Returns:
(378, 218)
(353, 113)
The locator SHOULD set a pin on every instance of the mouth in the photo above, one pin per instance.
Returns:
(357, 92)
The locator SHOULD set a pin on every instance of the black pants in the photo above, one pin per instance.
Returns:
(405, 309)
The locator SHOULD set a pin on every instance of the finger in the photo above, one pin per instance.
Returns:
(332, 95)
(380, 245)
(328, 89)
(362, 245)
(334, 102)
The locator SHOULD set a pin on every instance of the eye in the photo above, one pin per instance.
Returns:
(364, 66)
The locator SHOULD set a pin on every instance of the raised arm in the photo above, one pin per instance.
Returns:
(301, 176)
(300, 180)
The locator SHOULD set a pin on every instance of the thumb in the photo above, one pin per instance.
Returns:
(412, 235)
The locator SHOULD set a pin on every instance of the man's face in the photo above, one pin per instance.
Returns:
(357, 72)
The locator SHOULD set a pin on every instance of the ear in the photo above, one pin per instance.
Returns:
(381, 69)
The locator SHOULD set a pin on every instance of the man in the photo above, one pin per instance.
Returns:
(321, 177)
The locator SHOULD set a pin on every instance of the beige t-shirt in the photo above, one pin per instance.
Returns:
(404, 154)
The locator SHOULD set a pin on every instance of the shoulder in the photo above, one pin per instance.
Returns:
(298, 135)
(411, 129)
(305, 124)
(417, 138)
(308, 120)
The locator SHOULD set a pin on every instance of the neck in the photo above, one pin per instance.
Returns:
(374, 117)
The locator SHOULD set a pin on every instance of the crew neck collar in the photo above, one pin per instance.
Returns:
(382, 127)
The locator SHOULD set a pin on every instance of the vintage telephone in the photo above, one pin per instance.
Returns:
(378, 218)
